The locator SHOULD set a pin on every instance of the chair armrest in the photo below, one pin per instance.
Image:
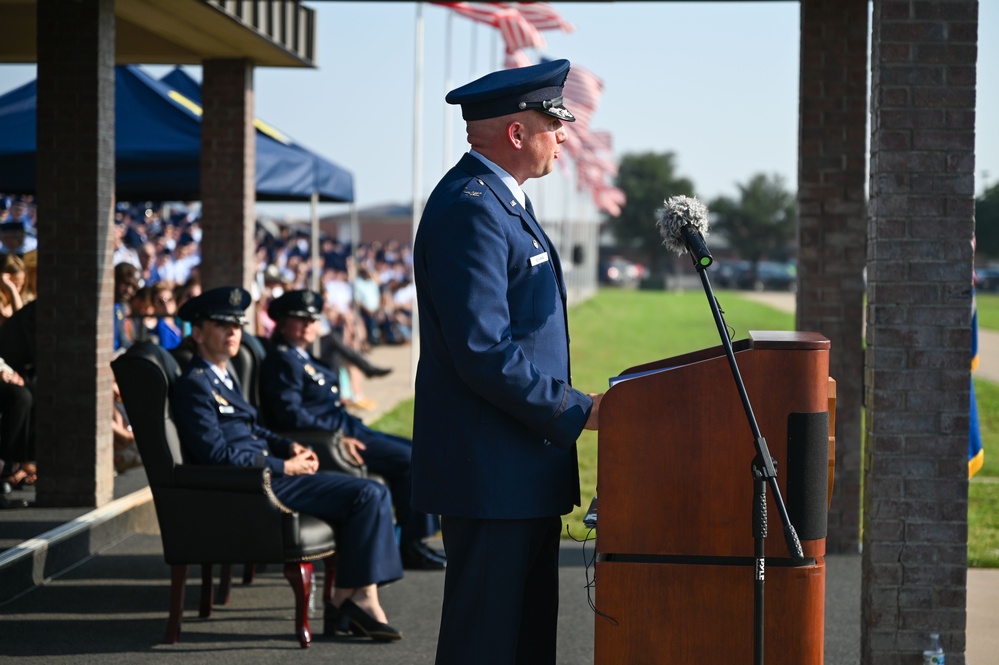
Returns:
(221, 478)
(330, 450)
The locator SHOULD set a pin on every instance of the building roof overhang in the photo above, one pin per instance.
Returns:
(270, 33)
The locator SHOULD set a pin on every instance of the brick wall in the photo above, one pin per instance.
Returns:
(75, 285)
(228, 153)
(832, 226)
(918, 317)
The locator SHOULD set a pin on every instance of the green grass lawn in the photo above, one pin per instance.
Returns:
(988, 310)
(617, 329)
(983, 490)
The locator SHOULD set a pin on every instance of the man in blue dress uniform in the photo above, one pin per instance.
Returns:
(298, 392)
(496, 419)
(218, 426)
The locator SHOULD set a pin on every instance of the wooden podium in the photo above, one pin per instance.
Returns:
(675, 568)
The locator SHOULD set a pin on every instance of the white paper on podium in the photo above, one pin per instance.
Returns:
(614, 380)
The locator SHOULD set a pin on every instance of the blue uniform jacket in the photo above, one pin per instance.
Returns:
(218, 426)
(496, 419)
(299, 393)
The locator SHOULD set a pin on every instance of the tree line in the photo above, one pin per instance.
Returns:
(759, 223)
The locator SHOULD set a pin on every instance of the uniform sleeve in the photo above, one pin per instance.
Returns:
(283, 386)
(465, 266)
(279, 445)
(196, 414)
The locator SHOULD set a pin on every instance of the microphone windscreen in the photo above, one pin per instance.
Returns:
(679, 211)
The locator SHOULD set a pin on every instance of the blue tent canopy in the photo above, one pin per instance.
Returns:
(289, 168)
(158, 147)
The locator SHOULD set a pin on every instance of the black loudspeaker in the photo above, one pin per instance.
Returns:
(578, 254)
(808, 473)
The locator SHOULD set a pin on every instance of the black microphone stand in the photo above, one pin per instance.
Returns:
(763, 468)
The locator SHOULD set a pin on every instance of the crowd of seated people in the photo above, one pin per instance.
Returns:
(18, 262)
(156, 255)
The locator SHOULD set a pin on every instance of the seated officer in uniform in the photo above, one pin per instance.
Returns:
(298, 392)
(218, 426)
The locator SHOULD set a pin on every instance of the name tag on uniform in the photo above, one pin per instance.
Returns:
(538, 259)
(226, 409)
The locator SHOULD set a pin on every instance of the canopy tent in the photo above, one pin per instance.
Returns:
(158, 146)
(275, 179)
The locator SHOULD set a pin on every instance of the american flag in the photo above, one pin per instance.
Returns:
(516, 59)
(591, 150)
(598, 140)
(593, 168)
(516, 30)
(582, 90)
(610, 200)
(543, 17)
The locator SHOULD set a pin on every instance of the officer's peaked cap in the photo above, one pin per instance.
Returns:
(301, 304)
(537, 87)
(225, 304)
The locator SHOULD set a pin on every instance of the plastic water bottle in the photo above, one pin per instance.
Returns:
(312, 602)
(935, 654)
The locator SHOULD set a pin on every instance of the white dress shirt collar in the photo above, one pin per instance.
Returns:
(223, 375)
(508, 180)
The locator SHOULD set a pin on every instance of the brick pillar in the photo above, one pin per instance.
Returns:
(832, 223)
(75, 284)
(228, 153)
(918, 318)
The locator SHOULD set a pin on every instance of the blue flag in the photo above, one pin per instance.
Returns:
(976, 454)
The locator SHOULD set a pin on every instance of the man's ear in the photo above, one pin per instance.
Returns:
(515, 132)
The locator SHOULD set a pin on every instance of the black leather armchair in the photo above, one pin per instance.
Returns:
(213, 514)
(327, 445)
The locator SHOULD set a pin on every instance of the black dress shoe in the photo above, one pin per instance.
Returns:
(335, 622)
(371, 371)
(417, 556)
(362, 623)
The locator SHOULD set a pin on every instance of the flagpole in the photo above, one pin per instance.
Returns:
(447, 87)
(418, 119)
(417, 169)
(475, 51)
(314, 238)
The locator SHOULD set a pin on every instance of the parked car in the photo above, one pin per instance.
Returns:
(987, 279)
(727, 275)
(769, 276)
(618, 271)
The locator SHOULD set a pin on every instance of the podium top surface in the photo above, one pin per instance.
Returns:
(781, 339)
(758, 340)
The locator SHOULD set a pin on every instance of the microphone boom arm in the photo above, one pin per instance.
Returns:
(767, 470)
(763, 470)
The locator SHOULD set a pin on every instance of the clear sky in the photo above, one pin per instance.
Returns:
(714, 82)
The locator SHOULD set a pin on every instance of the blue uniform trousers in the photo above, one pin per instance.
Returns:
(361, 514)
(500, 591)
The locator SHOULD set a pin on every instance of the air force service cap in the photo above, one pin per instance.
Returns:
(537, 87)
(300, 304)
(225, 304)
